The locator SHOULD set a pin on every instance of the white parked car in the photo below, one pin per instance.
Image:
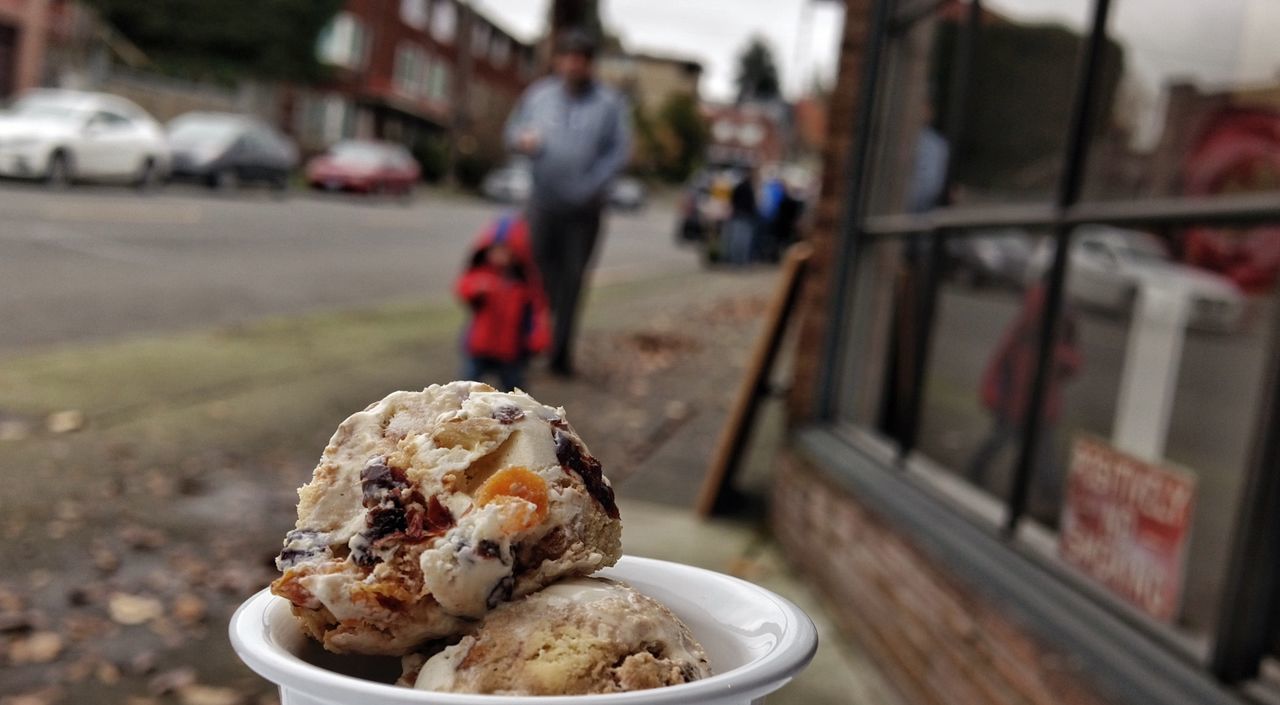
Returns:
(1109, 265)
(511, 183)
(62, 136)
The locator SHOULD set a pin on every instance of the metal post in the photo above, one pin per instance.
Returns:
(926, 310)
(846, 247)
(925, 314)
(1069, 187)
(1249, 606)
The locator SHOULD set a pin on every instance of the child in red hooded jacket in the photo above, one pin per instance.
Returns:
(509, 317)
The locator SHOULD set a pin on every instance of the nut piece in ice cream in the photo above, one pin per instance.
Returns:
(428, 509)
(580, 636)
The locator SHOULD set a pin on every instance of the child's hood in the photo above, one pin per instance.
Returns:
(510, 230)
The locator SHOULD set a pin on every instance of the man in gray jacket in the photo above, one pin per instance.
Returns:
(576, 132)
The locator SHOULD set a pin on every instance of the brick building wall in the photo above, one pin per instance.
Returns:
(842, 112)
(23, 31)
(937, 642)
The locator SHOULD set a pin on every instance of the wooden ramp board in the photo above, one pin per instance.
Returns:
(754, 385)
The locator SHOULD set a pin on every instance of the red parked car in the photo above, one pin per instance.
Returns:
(364, 167)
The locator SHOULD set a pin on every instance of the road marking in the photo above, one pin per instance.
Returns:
(61, 238)
(397, 221)
(140, 213)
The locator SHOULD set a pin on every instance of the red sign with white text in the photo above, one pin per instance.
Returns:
(1125, 523)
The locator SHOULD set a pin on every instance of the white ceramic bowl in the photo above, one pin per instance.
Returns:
(756, 641)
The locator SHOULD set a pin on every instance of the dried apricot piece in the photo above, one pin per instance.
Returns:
(514, 483)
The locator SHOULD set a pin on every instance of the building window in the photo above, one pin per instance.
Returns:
(499, 50)
(1039, 287)
(344, 42)
(410, 74)
(480, 32)
(439, 81)
(527, 63)
(414, 13)
(444, 21)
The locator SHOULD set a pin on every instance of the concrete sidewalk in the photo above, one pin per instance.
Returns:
(132, 539)
(840, 673)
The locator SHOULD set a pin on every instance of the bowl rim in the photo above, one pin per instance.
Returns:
(796, 646)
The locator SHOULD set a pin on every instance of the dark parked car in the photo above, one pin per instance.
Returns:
(225, 150)
(365, 167)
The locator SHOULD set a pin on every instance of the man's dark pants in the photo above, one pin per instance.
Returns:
(563, 241)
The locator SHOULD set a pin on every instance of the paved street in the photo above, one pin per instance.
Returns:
(96, 263)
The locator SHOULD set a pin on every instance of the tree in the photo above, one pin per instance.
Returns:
(757, 73)
(684, 123)
(225, 40)
(669, 142)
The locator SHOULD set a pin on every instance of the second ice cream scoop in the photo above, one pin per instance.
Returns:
(577, 637)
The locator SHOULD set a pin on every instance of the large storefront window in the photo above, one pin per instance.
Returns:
(1060, 302)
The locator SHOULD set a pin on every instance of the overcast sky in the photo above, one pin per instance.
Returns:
(804, 34)
(1214, 42)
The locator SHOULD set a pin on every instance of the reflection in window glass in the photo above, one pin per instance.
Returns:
(983, 351)
(1170, 358)
(874, 290)
(1199, 105)
(1001, 131)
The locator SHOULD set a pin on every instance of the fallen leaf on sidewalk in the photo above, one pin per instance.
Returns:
(40, 647)
(143, 663)
(208, 695)
(104, 559)
(44, 696)
(172, 681)
(85, 627)
(23, 621)
(189, 609)
(142, 538)
(65, 421)
(133, 609)
(13, 430)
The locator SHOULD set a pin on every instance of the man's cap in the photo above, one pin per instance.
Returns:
(576, 41)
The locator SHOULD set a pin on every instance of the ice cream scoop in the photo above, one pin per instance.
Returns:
(577, 637)
(428, 509)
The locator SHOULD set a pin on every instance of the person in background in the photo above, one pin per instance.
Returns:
(744, 221)
(501, 287)
(1006, 390)
(773, 193)
(576, 132)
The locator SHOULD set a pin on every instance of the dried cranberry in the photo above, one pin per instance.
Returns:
(439, 518)
(508, 414)
(573, 457)
(377, 480)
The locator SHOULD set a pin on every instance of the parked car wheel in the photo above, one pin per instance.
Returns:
(225, 179)
(148, 175)
(58, 175)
